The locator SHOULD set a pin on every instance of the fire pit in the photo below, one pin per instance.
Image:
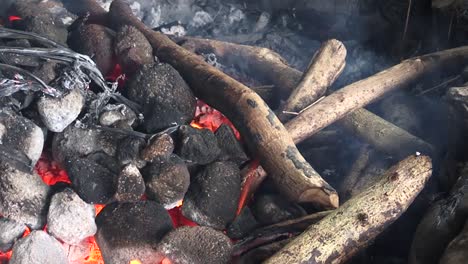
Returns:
(158, 132)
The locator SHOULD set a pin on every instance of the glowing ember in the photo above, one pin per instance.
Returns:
(210, 118)
(50, 171)
(244, 197)
(135, 261)
(13, 18)
(178, 219)
(98, 208)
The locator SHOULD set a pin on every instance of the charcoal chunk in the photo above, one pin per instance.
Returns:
(164, 96)
(75, 141)
(43, 24)
(10, 231)
(58, 113)
(37, 248)
(213, 195)
(132, 49)
(230, 147)
(112, 115)
(128, 151)
(167, 182)
(92, 177)
(70, 219)
(158, 149)
(95, 41)
(197, 145)
(244, 223)
(23, 196)
(197, 245)
(20, 134)
(130, 185)
(270, 209)
(129, 231)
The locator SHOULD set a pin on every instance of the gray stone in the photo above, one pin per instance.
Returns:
(113, 114)
(23, 196)
(130, 185)
(21, 134)
(10, 231)
(70, 219)
(38, 248)
(75, 141)
(58, 113)
(196, 245)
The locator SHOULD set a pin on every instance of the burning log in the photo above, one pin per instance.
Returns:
(350, 180)
(325, 67)
(357, 222)
(383, 135)
(262, 130)
(456, 251)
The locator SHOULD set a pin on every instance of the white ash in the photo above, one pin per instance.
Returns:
(112, 114)
(23, 196)
(58, 113)
(235, 15)
(70, 219)
(201, 19)
(10, 231)
(38, 248)
(177, 30)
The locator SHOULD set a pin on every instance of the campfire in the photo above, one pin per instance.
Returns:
(169, 132)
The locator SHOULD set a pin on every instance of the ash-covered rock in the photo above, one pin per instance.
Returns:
(10, 231)
(75, 141)
(230, 147)
(93, 177)
(130, 186)
(197, 145)
(97, 42)
(213, 195)
(132, 49)
(128, 151)
(167, 181)
(23, 196)
(21, 134)
(38, 247)
(58, 113)
(113, 115)
(129, 231)
(164, 96)
(197, 245)
(158, 149)
(70, 219)
(271, 209)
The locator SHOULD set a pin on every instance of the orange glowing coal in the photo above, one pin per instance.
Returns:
(210, 118)
(50, 171)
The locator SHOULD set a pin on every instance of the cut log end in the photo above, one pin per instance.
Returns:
(327, 199)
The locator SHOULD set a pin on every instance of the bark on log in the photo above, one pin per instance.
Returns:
(441, 223)
(263, 132)
(268, 66)
(324, 68)
(357, 222)
(457, 250)
(383, 135)
(359, 94)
